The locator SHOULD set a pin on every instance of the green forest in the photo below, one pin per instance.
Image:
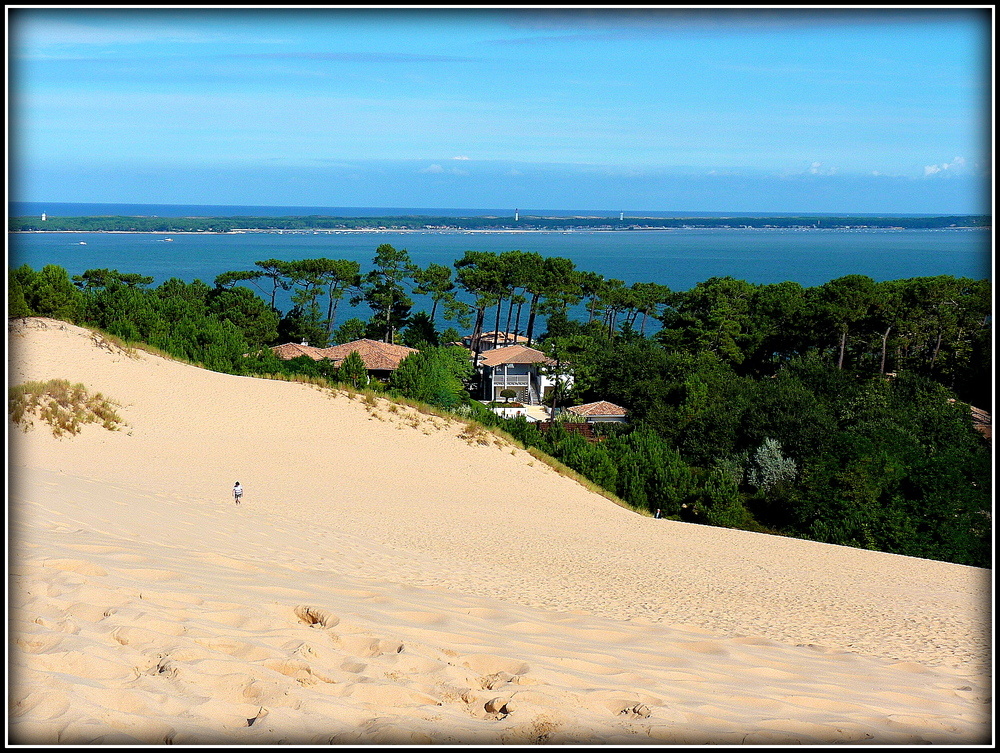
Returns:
(838, 413)
(523, 222)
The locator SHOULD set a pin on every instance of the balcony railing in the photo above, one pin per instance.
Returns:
(512, 380)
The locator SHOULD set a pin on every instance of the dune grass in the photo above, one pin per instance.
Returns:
(63, 406)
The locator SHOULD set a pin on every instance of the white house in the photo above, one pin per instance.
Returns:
(521, 369)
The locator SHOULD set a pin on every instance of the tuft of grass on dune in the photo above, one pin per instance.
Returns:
(63, 406)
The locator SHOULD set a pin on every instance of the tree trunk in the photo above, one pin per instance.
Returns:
(506, 326)
(477, 336)
(885, 340)
(331, 318)
(329, 310)
(937, 348)
(496, 329)
(843, 345)
(531, 316)
(477, 331)
(388, 322)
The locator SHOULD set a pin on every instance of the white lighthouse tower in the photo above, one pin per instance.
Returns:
(43, 216)
(515, 215)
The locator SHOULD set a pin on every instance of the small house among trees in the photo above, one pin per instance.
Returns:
(491, 340)
(519, 368)
(288, 351)
(380, 358)
(599, 412)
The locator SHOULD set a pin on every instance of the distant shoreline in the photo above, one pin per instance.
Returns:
(489, 231)
(316, 224)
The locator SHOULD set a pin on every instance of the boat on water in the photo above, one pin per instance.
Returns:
(83, 243)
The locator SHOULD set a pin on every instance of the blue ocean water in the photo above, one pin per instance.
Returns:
(676, 258)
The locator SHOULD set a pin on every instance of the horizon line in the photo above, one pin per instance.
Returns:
(511, 211)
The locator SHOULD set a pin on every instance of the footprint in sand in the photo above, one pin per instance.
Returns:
(316, 616)
(139, 638)
(39, 643)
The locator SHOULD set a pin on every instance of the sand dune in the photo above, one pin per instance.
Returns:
(388, 581)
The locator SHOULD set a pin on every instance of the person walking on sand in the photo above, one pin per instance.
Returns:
(237, 492)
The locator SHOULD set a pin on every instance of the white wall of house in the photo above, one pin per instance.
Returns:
(515, 376)
(548, 381)
(510, 412)
(604, 419)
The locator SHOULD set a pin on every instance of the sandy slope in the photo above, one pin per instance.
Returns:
(386, 580)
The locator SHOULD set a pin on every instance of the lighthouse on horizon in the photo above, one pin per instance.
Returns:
(515, 215)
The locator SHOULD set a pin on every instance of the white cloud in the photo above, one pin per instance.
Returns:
(461, 156)
(432, 169)
(816, 168)
(955, 165)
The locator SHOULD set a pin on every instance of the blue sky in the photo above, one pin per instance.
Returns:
(748, 110)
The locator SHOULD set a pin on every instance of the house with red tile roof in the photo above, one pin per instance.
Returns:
(288, 351)
(599, 412)
(491, 340)
(519, 368)
(380, 358)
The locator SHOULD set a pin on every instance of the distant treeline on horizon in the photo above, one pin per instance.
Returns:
(225, 224)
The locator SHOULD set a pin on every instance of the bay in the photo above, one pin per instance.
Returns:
(678, 258)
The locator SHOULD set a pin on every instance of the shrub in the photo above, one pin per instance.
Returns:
(63, 406)
(770, 468)
(353, 371)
